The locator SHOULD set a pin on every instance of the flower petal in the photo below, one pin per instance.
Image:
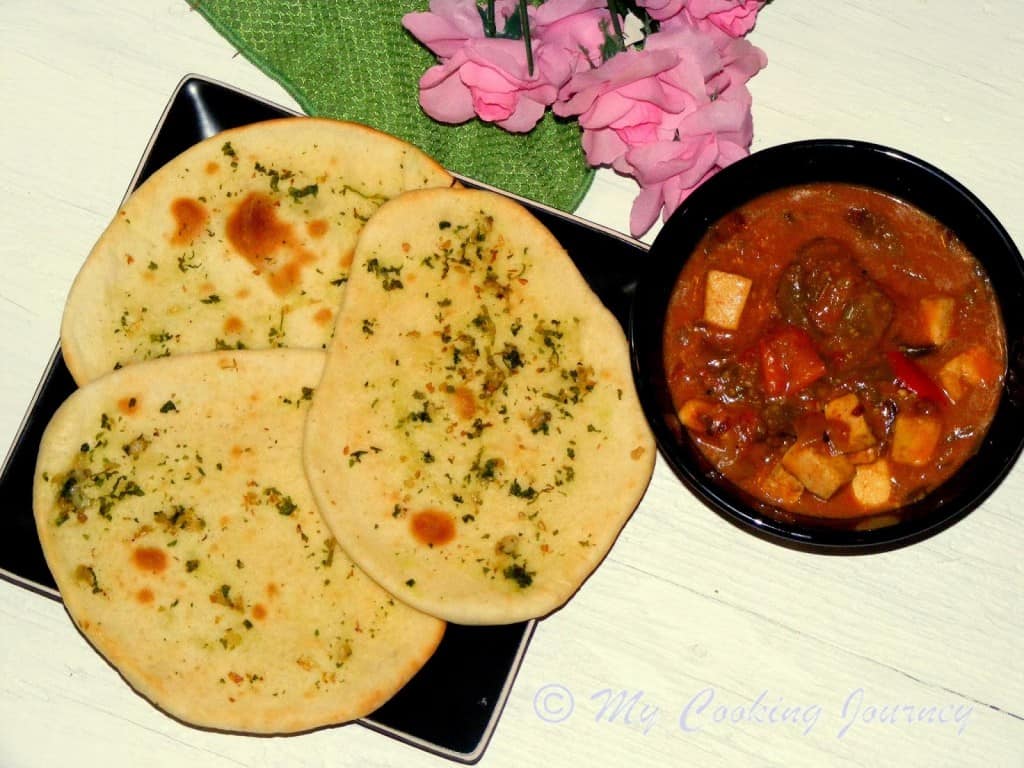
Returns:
(444, 97)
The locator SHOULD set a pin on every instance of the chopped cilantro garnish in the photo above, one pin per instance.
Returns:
(515, 489)
(284, 504)
(519, 575)
(310, 189)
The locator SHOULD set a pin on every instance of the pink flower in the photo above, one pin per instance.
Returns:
(484, 76)
(669, 116)
(662, 10)
(446, 27)
(735, 60)
(669, 113)
(668, 171)
(577, 28)
(733, 17)
(631, 98)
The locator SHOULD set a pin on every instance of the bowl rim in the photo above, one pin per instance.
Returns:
(890, 171)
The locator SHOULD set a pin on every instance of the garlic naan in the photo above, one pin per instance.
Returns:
(476, 443)
(242, 241)
(174, 514)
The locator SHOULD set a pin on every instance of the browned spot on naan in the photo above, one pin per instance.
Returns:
(254, 229)
(151, 559)
(189, 218)
(465, 402)
(290, 275)
(128, 405)
(433, 527)
(257, 233)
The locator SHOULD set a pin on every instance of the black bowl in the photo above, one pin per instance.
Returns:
(897, 174)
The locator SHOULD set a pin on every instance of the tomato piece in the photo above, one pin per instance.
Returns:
(789, 361)
(910, 375)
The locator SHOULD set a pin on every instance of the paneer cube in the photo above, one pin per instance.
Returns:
(699, 415)
(872, 484)
(915, 438)
(968, 369)
(847, 428)
(725, 295)
(821, 472)
(937, 318)
(781, 487)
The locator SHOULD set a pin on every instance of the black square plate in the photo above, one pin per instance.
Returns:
(452, 705)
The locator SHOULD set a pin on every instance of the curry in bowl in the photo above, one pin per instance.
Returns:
(833, 350)
(828, 341)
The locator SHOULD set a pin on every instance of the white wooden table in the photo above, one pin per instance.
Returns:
(734, 651)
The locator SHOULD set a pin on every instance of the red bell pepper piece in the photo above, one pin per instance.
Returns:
(789, 361)
(913, 377)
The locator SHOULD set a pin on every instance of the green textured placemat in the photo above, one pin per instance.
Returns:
(353, 60)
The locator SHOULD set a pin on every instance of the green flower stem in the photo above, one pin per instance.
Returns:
(613, 10)
(491, 28)
(525, 20)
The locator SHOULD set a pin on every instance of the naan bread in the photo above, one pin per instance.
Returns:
(476, 443)
(242, 241)
(174, 514)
